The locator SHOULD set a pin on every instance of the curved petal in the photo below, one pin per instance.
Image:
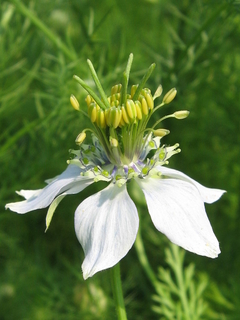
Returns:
(106, 225)
(70, 180)
(177, 210)
(209, 195)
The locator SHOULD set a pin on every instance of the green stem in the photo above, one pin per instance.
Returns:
(144, 260)
(117, 292)
(39, 24)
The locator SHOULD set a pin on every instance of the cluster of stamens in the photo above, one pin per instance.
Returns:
(120, 121)
(117, 114)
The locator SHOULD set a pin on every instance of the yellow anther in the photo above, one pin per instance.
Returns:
(144, 105)
(92, 112)
(74, 102)
(133, 89)
(145, 91)
(149, 100)
(161, 132)
(106, 112)
(181, 114)
(115, 97)
(115, 103)
(116, 118)
(131, 110)
(158, 92)
(124, 115)
(113, 142)
(80, 138)
(115, 89)
(101, 121)
(122, 122)
(113, 117)
(89, 99)
(169, 96)
(138, 109)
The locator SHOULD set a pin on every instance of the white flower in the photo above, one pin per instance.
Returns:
(106, 223)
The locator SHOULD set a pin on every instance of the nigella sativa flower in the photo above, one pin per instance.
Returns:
(124, 148)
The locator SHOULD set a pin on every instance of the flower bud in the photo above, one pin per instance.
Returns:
(169, 96)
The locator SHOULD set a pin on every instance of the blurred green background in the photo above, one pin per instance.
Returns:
(196, 47)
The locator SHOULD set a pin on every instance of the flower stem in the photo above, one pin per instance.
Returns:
(144, 260)
(117, 292)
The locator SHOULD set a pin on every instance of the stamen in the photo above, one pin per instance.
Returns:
(116, 89)
(181, 114)
(138, 110)
(169, 96)
(131, 110)
(161, 132)
(125, 115)
(144, 105)
(101, 121)
(74, 102)
(80, 138)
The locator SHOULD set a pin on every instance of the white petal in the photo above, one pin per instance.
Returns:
(177, 210)
(70, 180)
(106, 225)
(28, 193)
(209, 195)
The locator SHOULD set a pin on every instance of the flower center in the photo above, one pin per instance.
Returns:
(122, 139)
(121, 124)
